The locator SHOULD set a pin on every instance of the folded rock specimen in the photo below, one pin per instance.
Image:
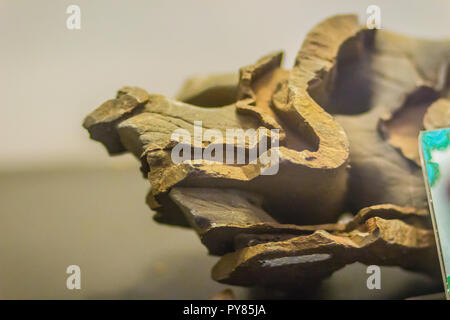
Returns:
(381, 235)
(348, 114)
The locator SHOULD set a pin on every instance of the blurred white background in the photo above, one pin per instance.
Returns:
(64, 201)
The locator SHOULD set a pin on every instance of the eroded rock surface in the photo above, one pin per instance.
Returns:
(381, 235)
(348, 114)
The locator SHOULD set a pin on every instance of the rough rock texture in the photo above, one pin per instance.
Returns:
(348, 114)
(381, 235)
(223, 217)
(383, 85)
(313, 146)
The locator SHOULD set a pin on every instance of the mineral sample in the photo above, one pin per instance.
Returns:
(347, 116)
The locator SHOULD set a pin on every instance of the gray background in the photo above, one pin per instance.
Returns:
(64, 201)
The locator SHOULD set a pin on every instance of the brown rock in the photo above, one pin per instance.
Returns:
(378, 235)
(348, 114)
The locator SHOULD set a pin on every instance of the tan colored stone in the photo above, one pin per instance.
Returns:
(369, 239)
(348, 113)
